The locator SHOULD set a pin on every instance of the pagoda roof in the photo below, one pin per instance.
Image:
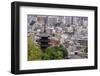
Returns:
(44, 35)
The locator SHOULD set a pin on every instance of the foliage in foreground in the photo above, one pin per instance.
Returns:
(55, 52)
(34, 51)
(51, 53)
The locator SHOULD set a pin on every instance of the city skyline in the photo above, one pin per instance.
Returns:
(70, 32)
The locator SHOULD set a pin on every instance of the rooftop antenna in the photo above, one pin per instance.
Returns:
(45, 22)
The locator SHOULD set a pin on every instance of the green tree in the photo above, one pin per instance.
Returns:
(56, 52)
(86, 50)
(65, 51)
(34, 51)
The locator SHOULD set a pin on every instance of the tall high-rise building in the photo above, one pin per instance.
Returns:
(52, 20)
(68, 20)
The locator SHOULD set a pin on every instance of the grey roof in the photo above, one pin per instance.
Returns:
(44, 35)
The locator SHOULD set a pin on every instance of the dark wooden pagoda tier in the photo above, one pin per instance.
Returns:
(44, 41)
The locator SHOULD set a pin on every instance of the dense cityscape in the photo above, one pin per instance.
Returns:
(69, 31)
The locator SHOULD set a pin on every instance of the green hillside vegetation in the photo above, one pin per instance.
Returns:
(34, 51)
(51, 53)
(56, 52)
